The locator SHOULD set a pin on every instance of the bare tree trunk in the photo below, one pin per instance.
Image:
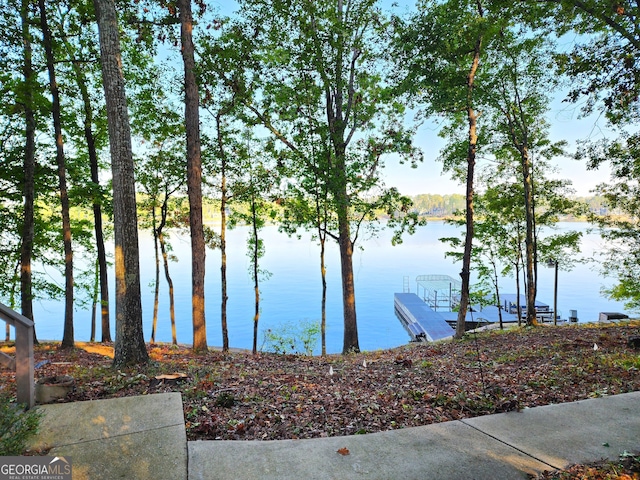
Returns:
(194, 178)
(28, 188)
(67, 337)
(130, 348)
(102, 254)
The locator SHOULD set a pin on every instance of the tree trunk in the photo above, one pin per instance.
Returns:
(129, 345)
(341, 197)
(323, 274)
(194, 178)
(94, 303)
(336, 111)
(518, 305)
(97, 206)
(495, 284)
(28, 188)
(465, 274)
(256, 272)
(223, 267)
(156, 251)
(223, 236)
(102, 254)
(165, 259)
(350, 339)
(67, 337)
(530, 236)
(172, 303)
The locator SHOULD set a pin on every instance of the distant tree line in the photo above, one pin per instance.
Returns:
(434, 205)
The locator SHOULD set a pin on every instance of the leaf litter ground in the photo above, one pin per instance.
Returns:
(233, 396)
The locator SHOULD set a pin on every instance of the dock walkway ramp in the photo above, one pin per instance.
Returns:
(421, 321)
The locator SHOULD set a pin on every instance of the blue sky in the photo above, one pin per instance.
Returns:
(566, 124)
(565, 120)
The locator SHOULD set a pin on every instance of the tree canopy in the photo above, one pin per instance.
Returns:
(108, 115)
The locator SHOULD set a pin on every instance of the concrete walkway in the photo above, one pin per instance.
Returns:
(131, 437)
(144, 438)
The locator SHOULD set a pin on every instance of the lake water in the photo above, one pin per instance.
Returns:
(292, 293)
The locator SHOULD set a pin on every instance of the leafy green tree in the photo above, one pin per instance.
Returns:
(68, 337)
(440, 51)
(28, 235)
(284, 56)
(620, 223)
(72, 46)
(603, 64)
(160, 173)
(228, 152)
(312, 211)
(258, 182)
(520, 81)
(500, 233)
(604, 72)
(26, 282)
(160, 167)
(88, 138)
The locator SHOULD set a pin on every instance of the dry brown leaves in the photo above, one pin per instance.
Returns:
(266, 396)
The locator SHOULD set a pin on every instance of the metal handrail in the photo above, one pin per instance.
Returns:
(24, 354)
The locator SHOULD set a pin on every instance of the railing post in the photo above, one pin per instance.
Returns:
(24, 365)
(24, 355)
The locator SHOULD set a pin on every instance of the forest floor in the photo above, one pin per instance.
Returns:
(232, 396)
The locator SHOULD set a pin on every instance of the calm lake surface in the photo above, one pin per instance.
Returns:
(292, 292)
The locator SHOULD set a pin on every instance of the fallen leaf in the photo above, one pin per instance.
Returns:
(173, 376)
(343, 451)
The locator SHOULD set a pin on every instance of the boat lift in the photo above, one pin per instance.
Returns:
(439, 292)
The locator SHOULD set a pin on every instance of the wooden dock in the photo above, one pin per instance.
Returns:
(422, 323)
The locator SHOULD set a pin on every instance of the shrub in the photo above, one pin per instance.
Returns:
(16, 426)
(297, 338)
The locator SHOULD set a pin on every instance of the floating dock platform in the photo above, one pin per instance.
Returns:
(422, 323)
(431, 316)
